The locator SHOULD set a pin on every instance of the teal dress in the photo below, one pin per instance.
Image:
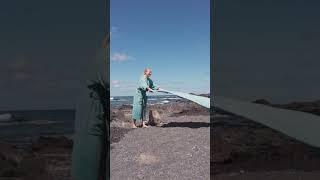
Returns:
(140, 97)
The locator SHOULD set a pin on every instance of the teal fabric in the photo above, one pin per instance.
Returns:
(91, 139)
(203, 101)
(91, 142)
(299, 125)
(140, 98)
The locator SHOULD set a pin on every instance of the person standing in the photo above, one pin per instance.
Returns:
(140, 97)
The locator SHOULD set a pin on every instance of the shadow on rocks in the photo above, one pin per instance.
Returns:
(186, 124)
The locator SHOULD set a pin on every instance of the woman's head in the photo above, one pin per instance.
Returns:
(148, 72)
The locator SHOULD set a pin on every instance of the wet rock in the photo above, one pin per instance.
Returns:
(19, 163)
(9, 155)
(51, 143)
(125, 107)
(188, 109)
(34, 168)
(309, 107)
(205, 95)
(11, 172)
(262, 101)
(117, 115)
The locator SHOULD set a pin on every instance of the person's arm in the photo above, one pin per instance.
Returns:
(144, 84)
(154, 86)
(150, 90)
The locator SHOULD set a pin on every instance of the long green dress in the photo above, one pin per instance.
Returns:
(140, 97)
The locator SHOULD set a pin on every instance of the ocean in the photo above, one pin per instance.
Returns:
(116, 101)
(25, 124)
(20, 127)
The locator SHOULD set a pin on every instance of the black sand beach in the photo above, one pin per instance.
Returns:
(179, 149)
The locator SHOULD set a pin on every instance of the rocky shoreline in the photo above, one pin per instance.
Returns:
(121, 116)
(46, 158)
(238, 146)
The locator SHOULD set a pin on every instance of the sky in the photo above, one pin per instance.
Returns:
(267, 49)
(170, 37)
(264, 49)
(46, 48)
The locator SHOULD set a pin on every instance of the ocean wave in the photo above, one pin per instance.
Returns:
(121, 100)
(165, 101)
(161, 102)
(173, 98)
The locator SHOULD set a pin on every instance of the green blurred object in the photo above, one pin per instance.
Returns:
(91, 141)
(89, 156)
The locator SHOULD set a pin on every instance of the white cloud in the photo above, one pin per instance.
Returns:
(115, 83)
(123, 84)
(113, 31)
(122, 87)
(120, 57)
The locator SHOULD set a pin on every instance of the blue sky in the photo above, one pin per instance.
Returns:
(267, 49)
(171, 37)
(46, 50)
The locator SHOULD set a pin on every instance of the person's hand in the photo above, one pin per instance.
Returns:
(150, 90)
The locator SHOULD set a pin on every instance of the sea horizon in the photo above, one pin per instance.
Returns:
(157, 94)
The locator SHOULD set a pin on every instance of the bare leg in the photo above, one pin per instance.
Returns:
(134, 123)
(143, 123)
